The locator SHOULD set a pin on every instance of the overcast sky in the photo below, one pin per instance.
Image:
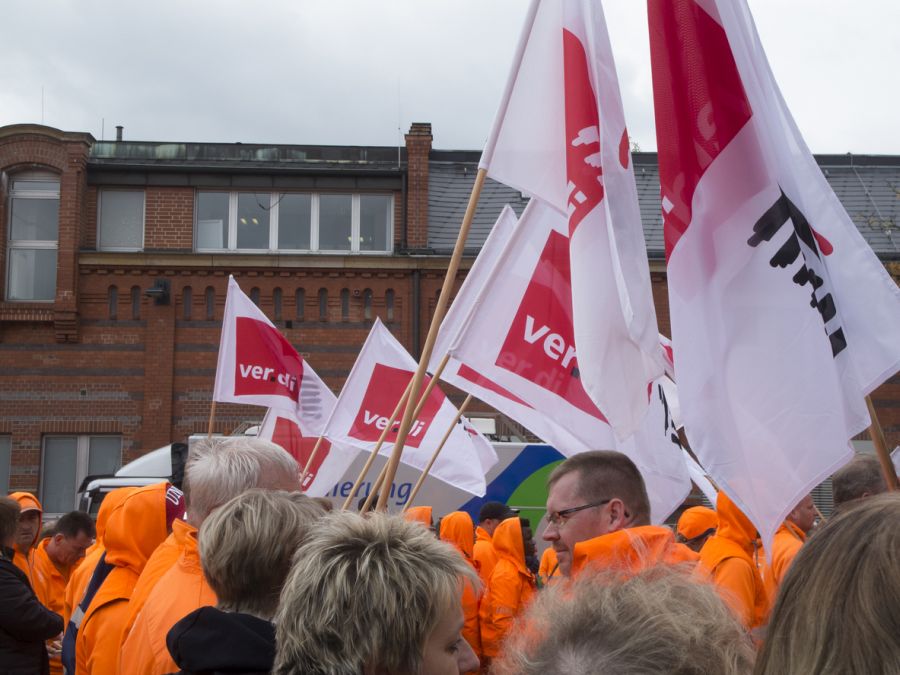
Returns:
(350, 72)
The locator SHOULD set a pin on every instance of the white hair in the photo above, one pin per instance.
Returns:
(221, 468)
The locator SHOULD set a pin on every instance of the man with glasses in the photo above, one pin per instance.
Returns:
(598, 513)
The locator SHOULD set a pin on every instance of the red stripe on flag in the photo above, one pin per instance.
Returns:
(475, 377)
(699, 99)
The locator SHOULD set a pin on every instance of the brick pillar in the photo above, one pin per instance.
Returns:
(159, 374)
(418, 148)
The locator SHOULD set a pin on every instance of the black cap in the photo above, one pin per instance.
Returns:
(494, 511)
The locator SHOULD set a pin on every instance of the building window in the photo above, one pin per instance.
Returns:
(276, 301)
(345, 304)
(113, 300)
(33, 237)
(294, 222)
(135, 303)
(187, 299)
(367, 304)
(121, 220)
(66, 462)
(300, 302)
(5, 462)
(323, 304)
(210, 303)
(389, 304)
(254, 295)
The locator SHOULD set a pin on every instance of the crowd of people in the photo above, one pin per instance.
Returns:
(242, 573)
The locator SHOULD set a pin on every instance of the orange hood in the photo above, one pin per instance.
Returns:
(107, 506)
(458, 529)
(509, 545)
(419, 514)
(697, 520)
(28, 501)
(136, 526)
(631, 550)
(735, 538)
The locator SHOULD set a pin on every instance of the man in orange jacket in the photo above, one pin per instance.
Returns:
(730, 558)
(217, 470)
(28, 531)
(135, 528)
(786, 544)
(511, 586)
(457, 529)
(598, 514)
(54, 559)
(489, 517)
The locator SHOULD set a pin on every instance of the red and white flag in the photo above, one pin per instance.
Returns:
(782, 316)
(516, 342)
(560, 136)
(257, 365)
(378, 380)
(332, 459)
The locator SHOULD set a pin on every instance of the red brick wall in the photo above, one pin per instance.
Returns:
(169, 218)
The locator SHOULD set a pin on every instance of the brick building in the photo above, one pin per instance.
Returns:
(116, 257)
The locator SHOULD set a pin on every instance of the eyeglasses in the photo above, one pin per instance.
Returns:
(560, 518)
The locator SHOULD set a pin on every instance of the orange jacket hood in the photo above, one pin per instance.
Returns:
(697, 520)
(509, 544)
(631, 550)
(136, 527)
(28, 501)
(107, 506)
(735, 538)
(458, 529)
(419, 514)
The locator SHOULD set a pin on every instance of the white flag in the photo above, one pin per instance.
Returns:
(782, 317)
(516, 342)
(560, 136)
(379, 378)
(332, 459)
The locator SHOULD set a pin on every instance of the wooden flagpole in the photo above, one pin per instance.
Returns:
(439, 311)
(212, 418)
(312, 456)
(877, 435)
(372, 455)
(437, 451)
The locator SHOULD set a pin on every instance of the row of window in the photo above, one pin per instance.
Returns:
(223, 221)
(65, 462)
(299, 313)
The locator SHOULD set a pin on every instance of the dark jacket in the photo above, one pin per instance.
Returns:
(24, 623)
(214, 642)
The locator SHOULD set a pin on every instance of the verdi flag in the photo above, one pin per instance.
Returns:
(257, 365)
(376, 383)
(517, 338)
(783, 319)
(560, 136)
(332, 459)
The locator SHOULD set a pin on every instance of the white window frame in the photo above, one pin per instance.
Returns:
(100, 246)
(82, 457)
(274, 200)
(29, 244)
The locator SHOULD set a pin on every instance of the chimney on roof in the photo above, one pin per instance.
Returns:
(418, 150)
(119, 130)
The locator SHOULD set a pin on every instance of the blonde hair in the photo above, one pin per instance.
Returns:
(363, 596)
(851, 561)
(246, 547)
(221, 468)
(660, 621)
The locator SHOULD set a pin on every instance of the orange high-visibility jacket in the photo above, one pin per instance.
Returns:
(163, 559)
(419, 514)
(81, 576)
(134, 529)
(631, 550)
(728, 558)
(178, 592)
(49, 584)
(25, 562)
(697, 520)
(785, 546)
(510, 589)
(549, 563)
(484, 554)
(458, 529)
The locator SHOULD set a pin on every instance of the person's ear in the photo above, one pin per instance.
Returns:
(618, 518)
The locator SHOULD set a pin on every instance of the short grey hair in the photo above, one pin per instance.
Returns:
(661, 621)
(861, 475)
(247, 544)
(363, 596)
(220, 468)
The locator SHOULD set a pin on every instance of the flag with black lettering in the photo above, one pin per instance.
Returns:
(560, 136)
(257, 365)
(376, 383)
(783, 318)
